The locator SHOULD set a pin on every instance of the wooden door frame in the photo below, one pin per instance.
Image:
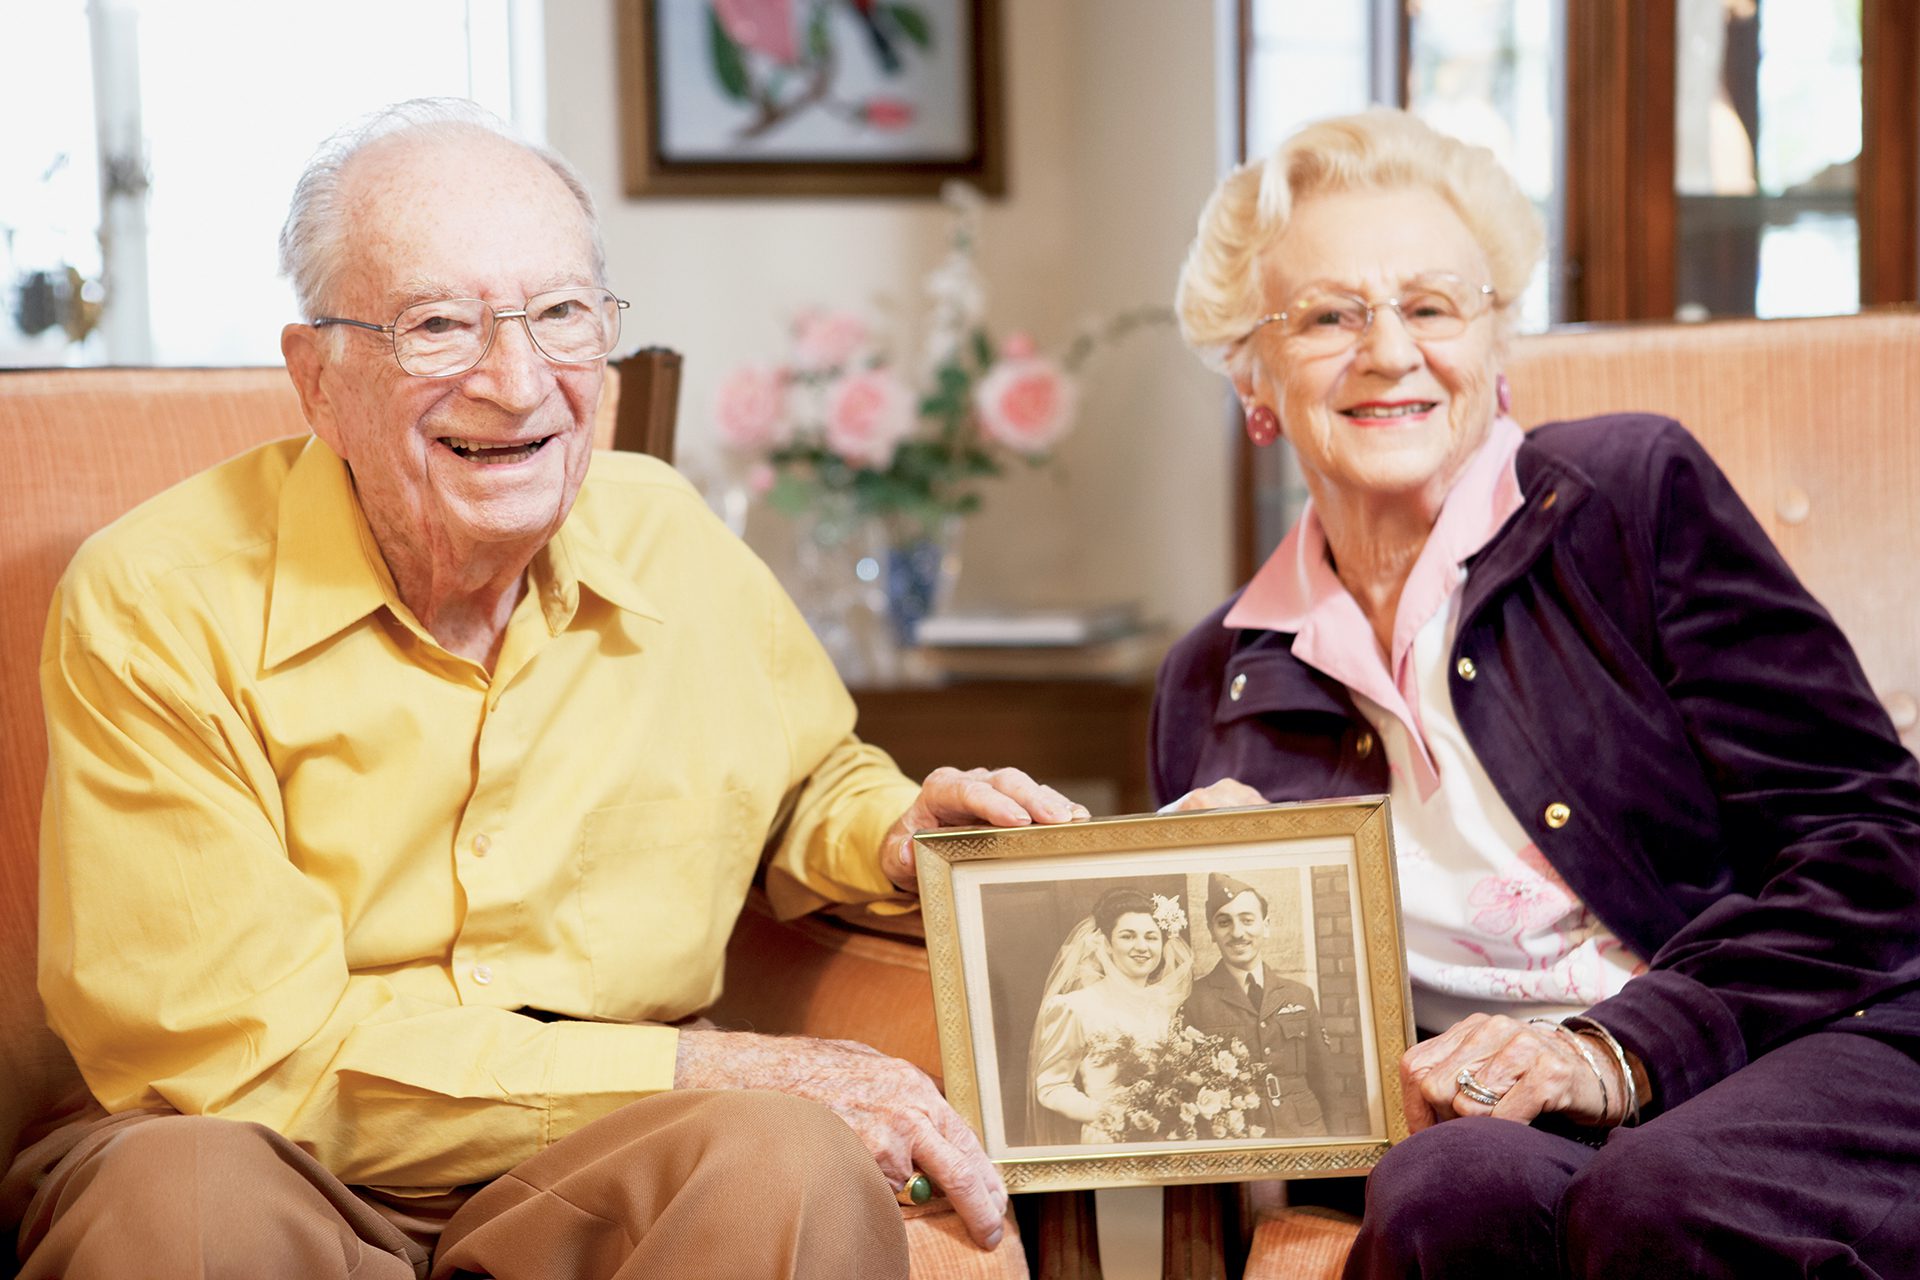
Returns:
(1889, 169)
(1617, 171)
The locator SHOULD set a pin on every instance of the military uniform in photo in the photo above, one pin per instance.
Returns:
(1280, 1025)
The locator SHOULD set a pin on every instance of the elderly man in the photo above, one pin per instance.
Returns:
(1276, 1018)
(405, 784)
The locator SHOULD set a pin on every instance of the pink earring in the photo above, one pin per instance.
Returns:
(1503, 394)
(1263, 425)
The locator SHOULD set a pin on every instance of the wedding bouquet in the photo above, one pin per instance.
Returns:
(1191, 1085)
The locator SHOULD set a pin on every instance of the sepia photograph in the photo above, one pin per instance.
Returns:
(1183, 997)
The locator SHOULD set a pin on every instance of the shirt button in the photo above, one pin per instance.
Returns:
(1238, 687)
(1466, 668)
(1364, 747)
(1557, 815)
(481, 843)
(483, 974)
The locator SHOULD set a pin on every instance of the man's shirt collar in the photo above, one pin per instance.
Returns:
(329, 572)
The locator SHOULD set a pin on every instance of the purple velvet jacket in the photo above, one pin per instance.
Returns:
(1742, 811)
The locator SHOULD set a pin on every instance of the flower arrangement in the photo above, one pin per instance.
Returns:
(1192, 1085)
(839, 430)
(1169, 915)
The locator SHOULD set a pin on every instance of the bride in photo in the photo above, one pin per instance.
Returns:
(1124, 971)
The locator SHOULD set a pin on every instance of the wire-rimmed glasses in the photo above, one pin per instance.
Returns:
(449, 336)
(1432, 307)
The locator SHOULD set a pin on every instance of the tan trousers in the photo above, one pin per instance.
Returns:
(694, 1184)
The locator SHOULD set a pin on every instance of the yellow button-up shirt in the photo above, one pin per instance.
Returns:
(302, 865)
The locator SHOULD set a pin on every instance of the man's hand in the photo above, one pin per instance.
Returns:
(890, 1104)
(1228, 793)
(1534, 1070)
(976, 797)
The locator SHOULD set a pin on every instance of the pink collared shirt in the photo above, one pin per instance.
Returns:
(1297, 591)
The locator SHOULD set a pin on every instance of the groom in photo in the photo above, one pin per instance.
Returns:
(1275, 1017)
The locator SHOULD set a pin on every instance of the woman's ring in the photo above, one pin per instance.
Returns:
(1472, 1087)
(917, 1189)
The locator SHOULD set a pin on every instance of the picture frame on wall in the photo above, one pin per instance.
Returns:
(1090, 987)
(765, 98)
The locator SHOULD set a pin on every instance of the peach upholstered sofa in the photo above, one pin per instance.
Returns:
(1813, 419)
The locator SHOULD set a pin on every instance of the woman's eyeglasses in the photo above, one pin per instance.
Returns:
(1431, 307)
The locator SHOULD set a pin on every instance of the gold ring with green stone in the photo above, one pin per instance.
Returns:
(915, 1190)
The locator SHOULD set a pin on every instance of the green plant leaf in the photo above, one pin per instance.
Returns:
(911, 23)
(982, 350)
(819, 39)
(729, 66)
(791, 495)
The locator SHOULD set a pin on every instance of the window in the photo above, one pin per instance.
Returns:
(1693, 158)
(152, 147)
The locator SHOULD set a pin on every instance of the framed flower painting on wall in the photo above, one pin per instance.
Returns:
(1185, 997)
(810, 97)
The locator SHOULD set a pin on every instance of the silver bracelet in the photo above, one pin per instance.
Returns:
(1580, 1023)
(1593, 1063)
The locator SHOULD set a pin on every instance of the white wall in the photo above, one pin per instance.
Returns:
(1112, 147)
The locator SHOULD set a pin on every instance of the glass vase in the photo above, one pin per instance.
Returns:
(922, 566)
(837, 566)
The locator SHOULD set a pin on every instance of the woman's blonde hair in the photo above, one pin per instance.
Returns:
(1220, 297)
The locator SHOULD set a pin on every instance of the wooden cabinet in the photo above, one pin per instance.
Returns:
(1059, 730)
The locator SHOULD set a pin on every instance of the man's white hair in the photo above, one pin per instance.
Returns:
(313, 241)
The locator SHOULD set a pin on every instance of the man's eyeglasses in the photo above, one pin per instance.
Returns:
(1432, 307)
(449, 336)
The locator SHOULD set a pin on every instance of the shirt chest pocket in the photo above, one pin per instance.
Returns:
(1286, 1038)
(661, 882)
(1291, 1026)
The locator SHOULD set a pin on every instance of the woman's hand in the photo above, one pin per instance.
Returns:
(1228, 793)
(1533, 1069)
(958, 798)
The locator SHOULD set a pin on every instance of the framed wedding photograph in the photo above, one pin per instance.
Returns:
(810, 97)
(1171, 998)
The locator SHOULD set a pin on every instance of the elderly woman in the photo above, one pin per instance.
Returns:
(1659, 846)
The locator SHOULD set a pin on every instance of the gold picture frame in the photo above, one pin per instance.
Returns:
(1041, 1028)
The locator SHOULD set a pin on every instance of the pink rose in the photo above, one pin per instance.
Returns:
(765, 26)
(1026, 404)
(868, 414)
(750, 408)
(827, 339)
(887, 113)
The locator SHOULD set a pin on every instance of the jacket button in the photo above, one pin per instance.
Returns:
(1466, 668)
(1363, 747)
(1557, 815)
(1238, 687)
